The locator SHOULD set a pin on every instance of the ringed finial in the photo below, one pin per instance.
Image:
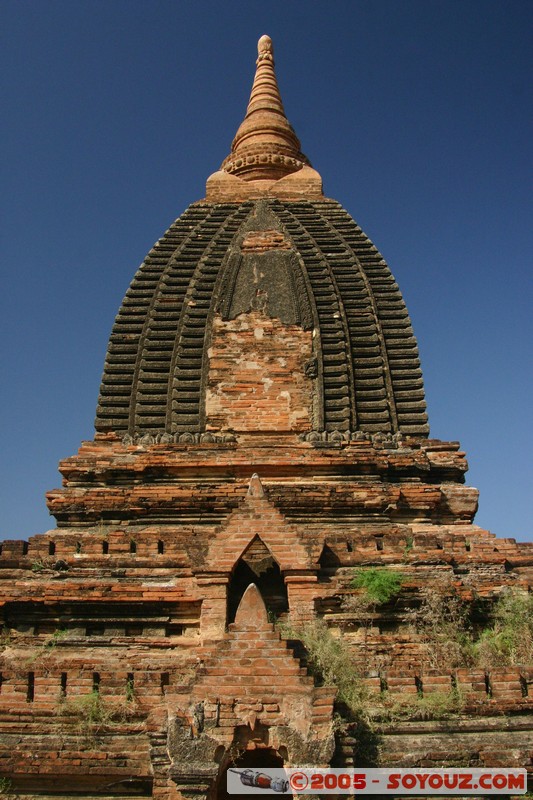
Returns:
(265, 146)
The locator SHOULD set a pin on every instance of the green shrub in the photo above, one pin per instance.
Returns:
(380, 585)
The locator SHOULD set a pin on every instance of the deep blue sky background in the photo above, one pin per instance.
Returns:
(416, 113)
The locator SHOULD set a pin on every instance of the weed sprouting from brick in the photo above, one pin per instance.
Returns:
(380, 585)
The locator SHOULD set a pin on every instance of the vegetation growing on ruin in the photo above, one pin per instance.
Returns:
(91, 712)
(130, 690)
(433, 705)
(442, 623)
(6, 637)
(89, 708)
(43, 564)
(380, 585)
(329, 660)
(510, 639)
(377, 586)
(47, 647)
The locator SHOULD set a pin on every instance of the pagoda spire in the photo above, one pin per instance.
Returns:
(265, 146)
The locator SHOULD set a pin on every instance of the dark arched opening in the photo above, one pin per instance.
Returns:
(257, 565)
(329, 564)
(257, 759)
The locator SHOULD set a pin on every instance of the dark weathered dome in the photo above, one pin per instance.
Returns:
(318, 271)
(263, 307)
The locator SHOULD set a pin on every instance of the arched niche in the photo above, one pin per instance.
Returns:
(257, 565)
(329, 563)
(250, 749)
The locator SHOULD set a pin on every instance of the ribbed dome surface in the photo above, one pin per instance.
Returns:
(319, 272)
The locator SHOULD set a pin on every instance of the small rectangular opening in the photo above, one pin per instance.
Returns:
(130, 687)
(48, 628)
(105, 547)
(25, 548)
(96, 681)
(165, 681)
(95, 630)
(387, 626)
(379, 542)
(63, 685)
(175, 630)
(133, 630)
(51, 548)
(31, 687)
(133, 546)
(160, 547)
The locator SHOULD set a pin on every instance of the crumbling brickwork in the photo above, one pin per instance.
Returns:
(257, 379)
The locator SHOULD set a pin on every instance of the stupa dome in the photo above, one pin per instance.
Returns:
(265, 242)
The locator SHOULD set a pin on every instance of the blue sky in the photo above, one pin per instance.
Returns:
(415, 112)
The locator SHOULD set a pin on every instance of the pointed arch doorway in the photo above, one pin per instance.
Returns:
(258, 565)
(259, 759)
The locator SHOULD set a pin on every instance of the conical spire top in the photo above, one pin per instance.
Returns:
(265, 92)
(265, 147)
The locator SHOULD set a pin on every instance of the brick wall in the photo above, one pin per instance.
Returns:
(256, 379)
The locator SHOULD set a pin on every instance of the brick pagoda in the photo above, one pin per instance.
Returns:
(261, 436)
